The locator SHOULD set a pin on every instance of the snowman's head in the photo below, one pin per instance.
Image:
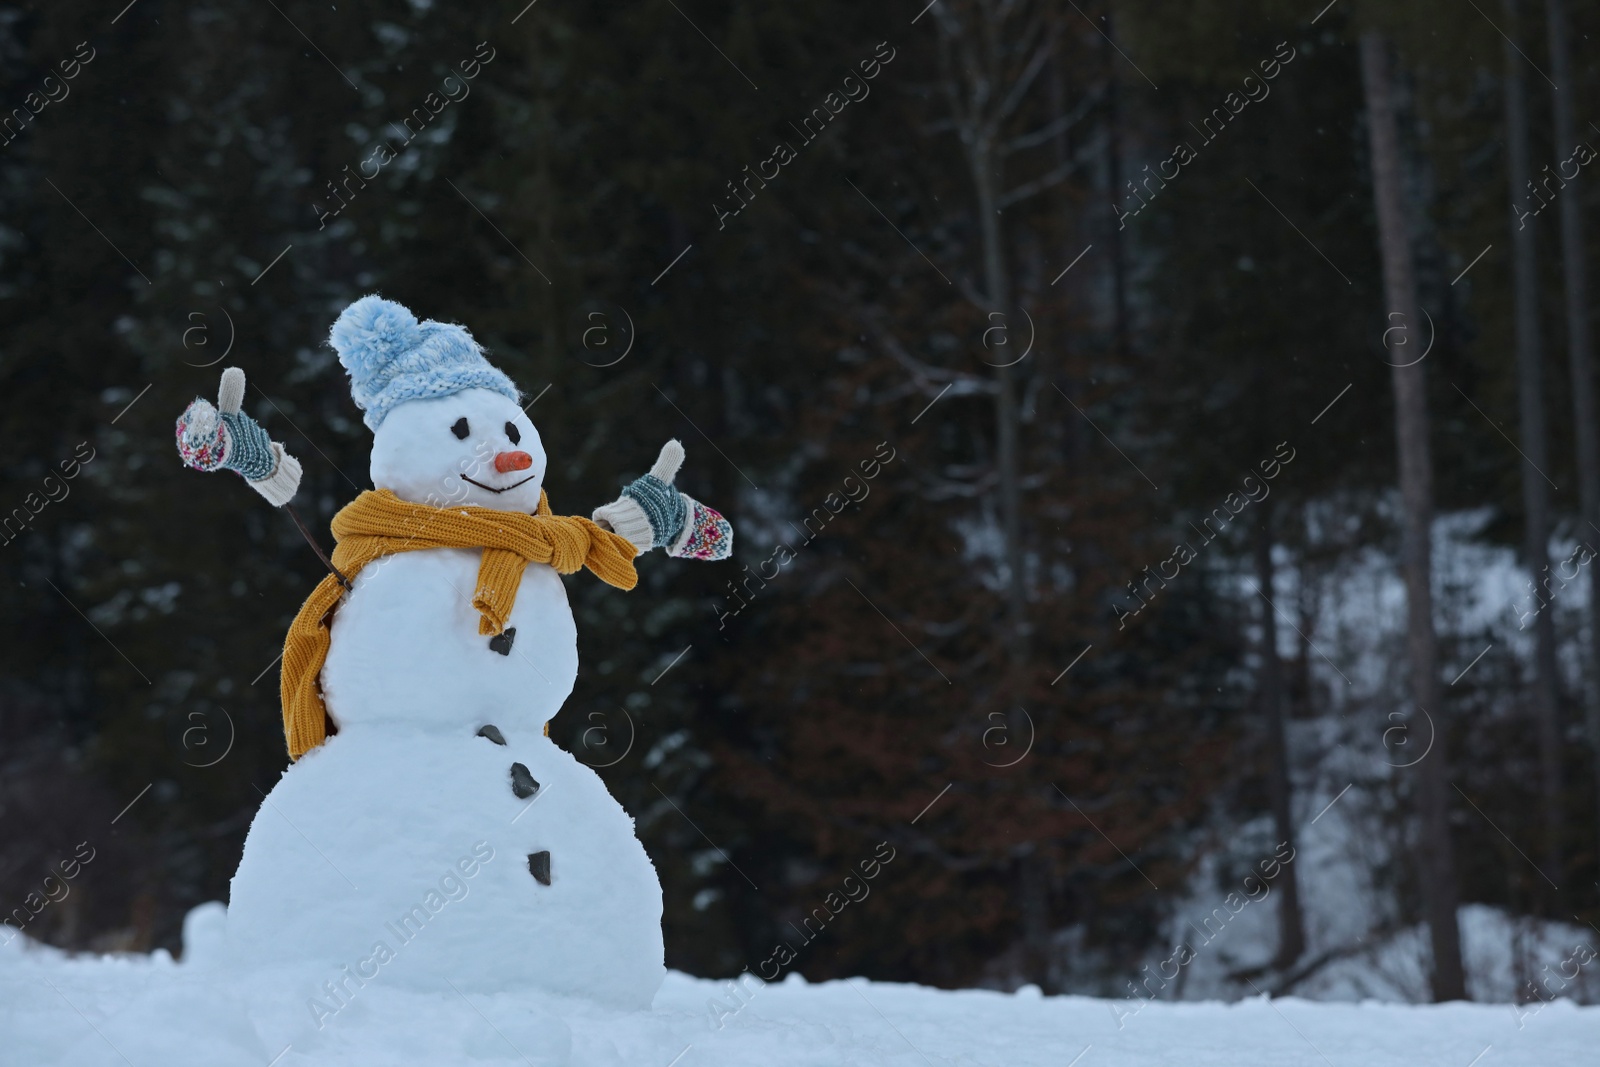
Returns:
(446, 425)
(472, 447)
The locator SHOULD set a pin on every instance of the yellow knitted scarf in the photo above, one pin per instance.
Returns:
(378, 523)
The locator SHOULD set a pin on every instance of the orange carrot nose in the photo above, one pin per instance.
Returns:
(512, 461)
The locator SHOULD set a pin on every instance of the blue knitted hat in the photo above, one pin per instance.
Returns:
(393, 358)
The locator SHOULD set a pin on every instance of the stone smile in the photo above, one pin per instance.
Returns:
(503, 488)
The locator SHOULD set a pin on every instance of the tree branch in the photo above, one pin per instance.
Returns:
(1019, 88)
(1053, 177)
(1053, 129)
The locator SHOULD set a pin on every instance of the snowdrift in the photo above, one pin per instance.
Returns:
(152, 1011)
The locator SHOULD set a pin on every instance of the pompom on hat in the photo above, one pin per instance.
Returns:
(392, 358)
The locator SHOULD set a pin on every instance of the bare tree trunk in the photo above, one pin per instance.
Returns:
(1535, 490)
(979, 114)
(1580, 354)
(1435, 855)
(1032, 884)
(1119, 271)
(1291, 923)
(545, 198)
(1075, 443)
(1033, 906)
(997, 289)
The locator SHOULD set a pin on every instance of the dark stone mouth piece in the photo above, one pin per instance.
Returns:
(492, 732)
(500, 489)
(539, 867)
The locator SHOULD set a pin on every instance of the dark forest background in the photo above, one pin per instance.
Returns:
(901, 289)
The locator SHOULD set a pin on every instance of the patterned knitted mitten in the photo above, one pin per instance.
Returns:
(223, 437)
(652, 513)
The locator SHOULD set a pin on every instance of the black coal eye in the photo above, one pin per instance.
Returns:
(461, 429)
(513, 433)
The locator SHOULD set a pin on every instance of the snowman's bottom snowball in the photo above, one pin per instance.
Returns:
(400, 857)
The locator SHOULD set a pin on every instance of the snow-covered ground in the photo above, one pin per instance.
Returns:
(149, 1011)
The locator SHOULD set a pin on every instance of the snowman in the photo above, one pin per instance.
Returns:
(429, 834)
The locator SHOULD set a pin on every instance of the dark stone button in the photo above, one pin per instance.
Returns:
(501, 642)
(539, 867)
(522, 782)
(493, 733)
